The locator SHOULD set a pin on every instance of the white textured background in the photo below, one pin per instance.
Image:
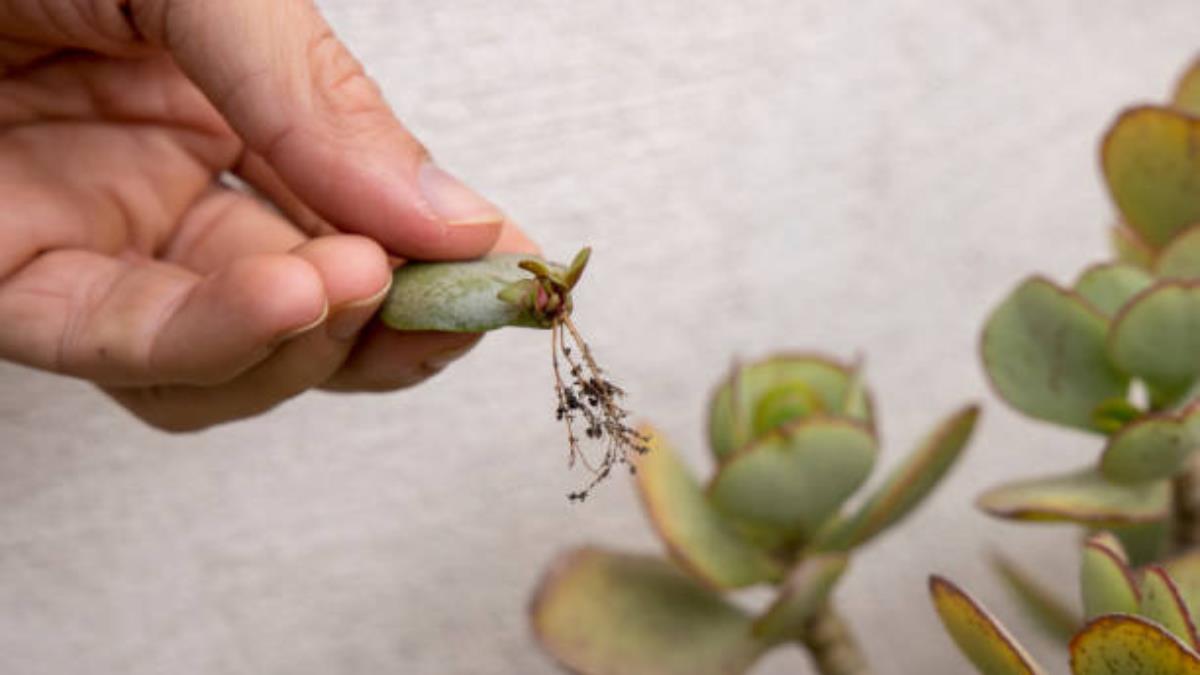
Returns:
(754, 175)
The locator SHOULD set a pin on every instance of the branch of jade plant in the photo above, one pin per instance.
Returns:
(1185, 507)
(832, 646)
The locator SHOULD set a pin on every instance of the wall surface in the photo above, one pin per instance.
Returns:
(864, 177)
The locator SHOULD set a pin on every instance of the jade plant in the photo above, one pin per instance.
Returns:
(1117, 353)
(1137, 620)
(523, 290)
(793, 438)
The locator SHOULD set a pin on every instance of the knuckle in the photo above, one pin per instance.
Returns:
(343, 89)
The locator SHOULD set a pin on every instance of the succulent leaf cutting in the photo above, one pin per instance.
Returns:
(522, 290)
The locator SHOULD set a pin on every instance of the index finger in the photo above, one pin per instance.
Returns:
(297, 97)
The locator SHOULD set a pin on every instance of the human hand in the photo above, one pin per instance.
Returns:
(125, 261)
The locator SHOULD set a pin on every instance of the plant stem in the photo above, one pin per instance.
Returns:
(1185, 507)
(833, 648)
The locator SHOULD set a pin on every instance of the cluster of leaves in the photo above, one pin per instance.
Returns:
(794, 438)
(1138, 620)
(1117, 353)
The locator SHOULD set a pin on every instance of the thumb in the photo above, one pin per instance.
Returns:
(298, 98)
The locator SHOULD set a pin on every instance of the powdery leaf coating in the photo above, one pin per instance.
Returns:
(1044, 351)
(608, 613)
(804, 592)
(1153, 171)
(1130, 645)
(908, 484)
(1181, 258)
(1156, 337)
(794, 479)
(1106, 583)
(1162, 603)
(985, 642)
(458, 296)
(1149, 449)
(1108, 286)
(702, 540)
(1084, 497)
(734, 405)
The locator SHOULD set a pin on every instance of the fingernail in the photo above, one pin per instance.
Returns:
(297, 332)
(347, 320)
(454, 202)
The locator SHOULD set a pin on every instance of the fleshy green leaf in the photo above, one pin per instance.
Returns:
(597, 611)
(856, 402)
(1149, 449)
(802, 594)
(1130, 249)
(457, 296)
(1187, 90)
(1162, 603)
(698, 537)
(794, 479)
(1130, 645)
(1112, 542)
(1153, 172)
(1044, 350)
(982, 639)
(1156, 337)
(1080, 497)
(1181, 258)
(1050, 613)
(1108, 286)
(908, 484)
(796, 380)
(1143, 542)
(1185, 572)
(1107, 585)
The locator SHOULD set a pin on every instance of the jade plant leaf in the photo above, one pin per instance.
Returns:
(907, 486)
(698, 537)
(985, 642)
(1081, 497)
(1143, 543)
(1130, 249)
(760, 394)
(795, 478)
(1156, 337)
(1044, 351)
(1153, 172)
(1108, 286)
(598, 611)
(1149, 449)
(803, 593)
(457, 296)
(1181, 258)
(1187, 90)
(1051, 614)
(1130, 645)
(1184, 570)
(1107, 584)
(1162, 603)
